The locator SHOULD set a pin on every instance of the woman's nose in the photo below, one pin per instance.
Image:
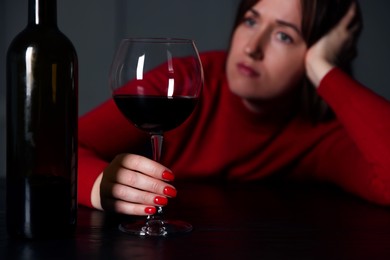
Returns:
(255, 46)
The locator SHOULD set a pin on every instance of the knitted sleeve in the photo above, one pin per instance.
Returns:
(358, 156)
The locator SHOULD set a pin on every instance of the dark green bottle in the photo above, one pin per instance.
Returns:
(42, 111)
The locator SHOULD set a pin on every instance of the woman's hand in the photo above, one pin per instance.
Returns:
(334, 48)
(133, 185)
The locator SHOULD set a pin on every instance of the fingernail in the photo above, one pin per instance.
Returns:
(169, 191)
(150, 210)
(161, 200)
(167, 175)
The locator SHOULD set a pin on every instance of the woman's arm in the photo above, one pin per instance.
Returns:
(358, 157)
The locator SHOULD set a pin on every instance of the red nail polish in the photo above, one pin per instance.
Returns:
(161, 200)
(150, 210)
(169, 191)
(166, 175)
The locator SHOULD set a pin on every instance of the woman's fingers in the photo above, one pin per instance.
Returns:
(352, 19)
(140, 181)
(127, 200)
(348, 19)
(124, 207)
(144, 165)
(137, 195)
(134, 185)
(349, 29)
(140, 173)
(336, 48)
(350, 25)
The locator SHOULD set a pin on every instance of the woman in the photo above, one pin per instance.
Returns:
(262, 115)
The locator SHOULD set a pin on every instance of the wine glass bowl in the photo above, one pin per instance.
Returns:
(156, 83)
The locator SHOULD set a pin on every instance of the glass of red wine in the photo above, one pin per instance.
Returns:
(156, 83)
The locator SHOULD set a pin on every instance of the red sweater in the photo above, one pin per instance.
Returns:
(223, 139)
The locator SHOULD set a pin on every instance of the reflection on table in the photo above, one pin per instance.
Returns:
(231, 221)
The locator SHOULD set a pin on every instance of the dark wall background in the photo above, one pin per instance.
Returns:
(96, 26)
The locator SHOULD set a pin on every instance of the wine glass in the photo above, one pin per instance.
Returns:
(156, 83)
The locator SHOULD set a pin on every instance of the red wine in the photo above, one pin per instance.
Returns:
(42, 84)
(155, 114)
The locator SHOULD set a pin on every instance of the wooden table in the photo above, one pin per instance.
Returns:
(231, 221)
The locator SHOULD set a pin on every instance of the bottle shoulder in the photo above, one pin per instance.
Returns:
(45, 40)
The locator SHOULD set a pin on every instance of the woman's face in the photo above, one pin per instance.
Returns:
(266, 57)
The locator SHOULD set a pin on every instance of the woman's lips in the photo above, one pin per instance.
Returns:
(247, 70)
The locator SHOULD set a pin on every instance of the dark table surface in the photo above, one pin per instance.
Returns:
(231, 221)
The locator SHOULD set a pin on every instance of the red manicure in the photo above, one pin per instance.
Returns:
(166, 175)
(169, 191)
(150, 210)
(161, 200)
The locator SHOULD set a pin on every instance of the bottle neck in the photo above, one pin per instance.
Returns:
(42, 12)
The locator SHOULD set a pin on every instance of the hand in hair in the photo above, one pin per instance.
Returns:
(335, 48)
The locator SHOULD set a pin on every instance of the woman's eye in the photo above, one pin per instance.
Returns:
(249, 21)
(284, 37)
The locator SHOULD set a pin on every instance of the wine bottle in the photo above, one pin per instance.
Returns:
(42, 111)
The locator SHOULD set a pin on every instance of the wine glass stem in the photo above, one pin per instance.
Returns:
(157, 141)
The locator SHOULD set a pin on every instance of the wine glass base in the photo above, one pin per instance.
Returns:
(156, 228)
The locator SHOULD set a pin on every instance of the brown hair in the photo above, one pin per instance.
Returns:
(318, 17)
